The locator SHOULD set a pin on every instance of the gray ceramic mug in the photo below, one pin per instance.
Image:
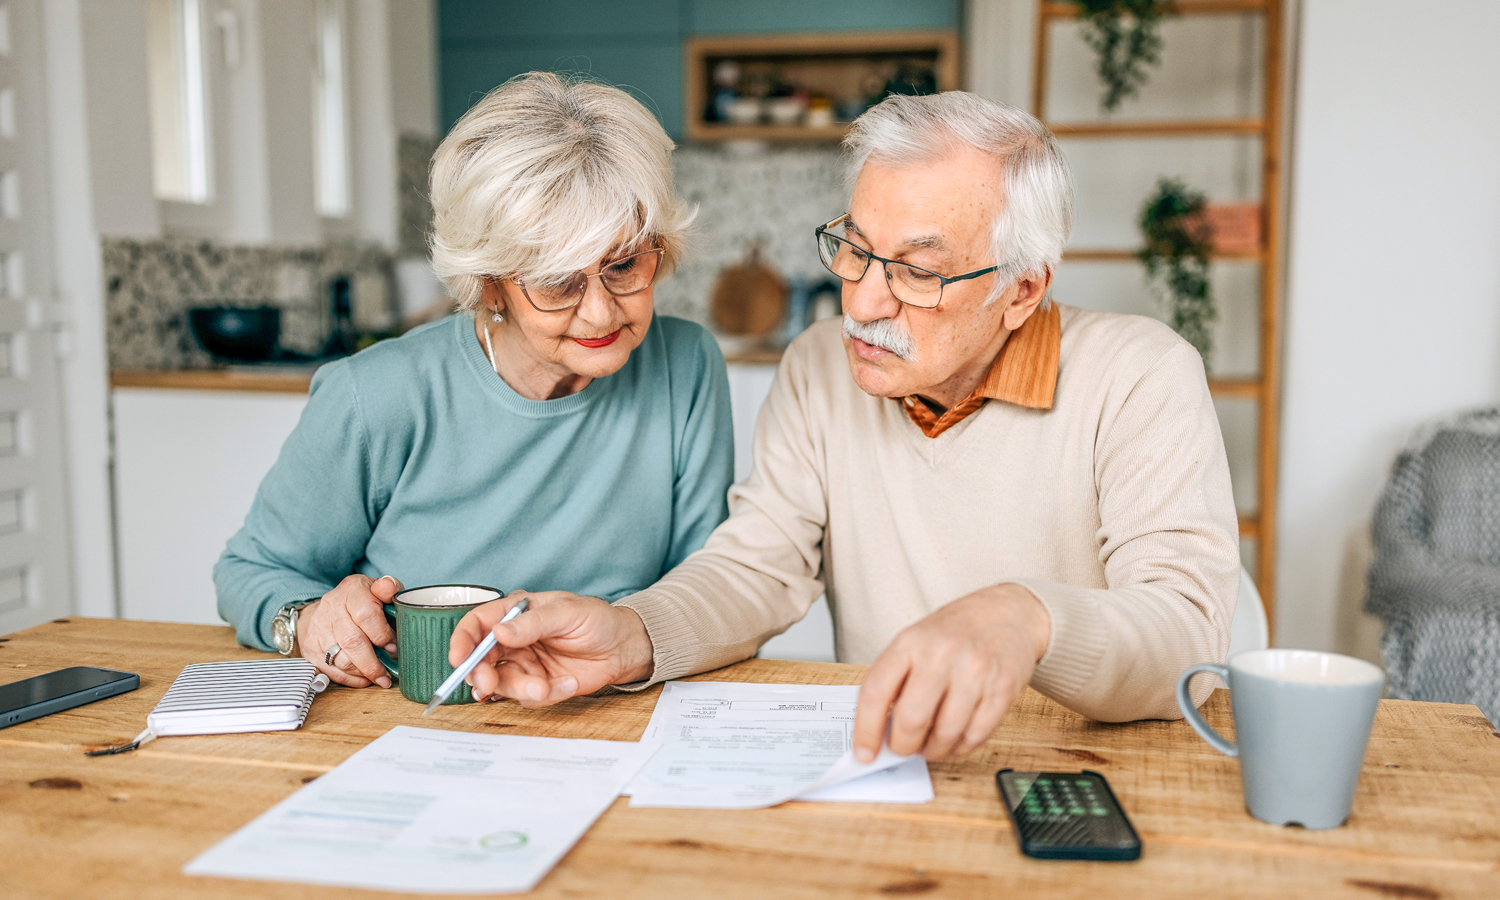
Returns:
(1302, 719)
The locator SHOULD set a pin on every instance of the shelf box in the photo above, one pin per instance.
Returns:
(842, 66)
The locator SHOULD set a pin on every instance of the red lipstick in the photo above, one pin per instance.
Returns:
(595, 343)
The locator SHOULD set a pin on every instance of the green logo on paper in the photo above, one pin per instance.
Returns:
(504, 840)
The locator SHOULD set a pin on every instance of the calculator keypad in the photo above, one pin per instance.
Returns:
(1066, 809)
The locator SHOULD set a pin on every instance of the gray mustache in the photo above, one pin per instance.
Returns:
(882, 333)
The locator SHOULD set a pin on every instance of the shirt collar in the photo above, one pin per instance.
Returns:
(1025, 371)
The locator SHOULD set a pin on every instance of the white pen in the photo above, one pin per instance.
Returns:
(451, 683)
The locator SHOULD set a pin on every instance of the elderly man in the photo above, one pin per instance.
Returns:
(993, 490)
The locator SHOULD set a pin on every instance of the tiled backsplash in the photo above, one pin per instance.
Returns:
(413, 153)
(151, 285)
(770, 195)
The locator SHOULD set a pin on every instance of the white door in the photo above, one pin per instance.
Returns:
(34, 557)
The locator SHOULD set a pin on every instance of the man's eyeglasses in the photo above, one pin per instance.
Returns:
(910, 284)
(620, 277)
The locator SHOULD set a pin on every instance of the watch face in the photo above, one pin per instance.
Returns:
(281, 634)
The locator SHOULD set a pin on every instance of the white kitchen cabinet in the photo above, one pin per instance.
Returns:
(187, 463)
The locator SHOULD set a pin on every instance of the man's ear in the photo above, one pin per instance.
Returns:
(1029, 294)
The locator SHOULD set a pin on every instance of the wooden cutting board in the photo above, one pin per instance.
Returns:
(748, 298)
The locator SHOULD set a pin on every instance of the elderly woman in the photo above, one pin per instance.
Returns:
(554, 434)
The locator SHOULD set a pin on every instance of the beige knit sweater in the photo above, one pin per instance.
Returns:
(1113, 508)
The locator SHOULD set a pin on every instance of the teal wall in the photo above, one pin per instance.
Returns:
(636, 44)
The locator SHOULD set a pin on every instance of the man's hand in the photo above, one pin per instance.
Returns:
(563, 645)
(947, 680)
(351, 616)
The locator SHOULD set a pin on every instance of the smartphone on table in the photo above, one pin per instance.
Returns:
(42, 695)
(1067, 815)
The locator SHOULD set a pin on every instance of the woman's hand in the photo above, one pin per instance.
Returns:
(350, 615)
(562, 646)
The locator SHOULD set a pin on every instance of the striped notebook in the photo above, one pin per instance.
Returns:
(231, 697)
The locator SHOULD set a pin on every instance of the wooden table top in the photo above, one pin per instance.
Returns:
(1426, 819)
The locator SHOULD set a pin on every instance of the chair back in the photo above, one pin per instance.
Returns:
(1248, 629)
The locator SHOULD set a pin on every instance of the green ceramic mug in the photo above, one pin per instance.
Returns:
(424, 619)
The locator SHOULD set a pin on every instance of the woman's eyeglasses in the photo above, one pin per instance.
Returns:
(620, 277)
(909, 284)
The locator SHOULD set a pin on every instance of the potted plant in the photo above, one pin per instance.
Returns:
(1123, 34)
(1178, 239)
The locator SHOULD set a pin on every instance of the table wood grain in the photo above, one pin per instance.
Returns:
(1425, 824)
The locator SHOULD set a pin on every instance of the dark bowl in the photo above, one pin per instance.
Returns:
(237, 333)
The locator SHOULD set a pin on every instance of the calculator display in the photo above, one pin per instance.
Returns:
(1067, 815)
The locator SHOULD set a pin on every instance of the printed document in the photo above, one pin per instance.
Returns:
(743, 746)
(434, 812)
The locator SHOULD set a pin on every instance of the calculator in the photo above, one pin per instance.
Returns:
(1067, 815)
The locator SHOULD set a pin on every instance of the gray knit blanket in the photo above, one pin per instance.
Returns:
(1436, 575)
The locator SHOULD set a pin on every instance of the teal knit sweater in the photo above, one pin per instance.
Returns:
(414, 459)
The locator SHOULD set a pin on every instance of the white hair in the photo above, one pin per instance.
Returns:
(1036, 217)
(540, 179)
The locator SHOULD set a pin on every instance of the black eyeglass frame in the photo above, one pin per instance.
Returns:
(943, 280)
(521, 282)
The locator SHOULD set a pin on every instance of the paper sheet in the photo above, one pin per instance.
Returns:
(744, 746)
(434, 812)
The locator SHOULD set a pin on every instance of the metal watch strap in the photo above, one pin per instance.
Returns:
(288, 614)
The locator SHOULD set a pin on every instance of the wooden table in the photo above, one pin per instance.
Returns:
(1426, 819)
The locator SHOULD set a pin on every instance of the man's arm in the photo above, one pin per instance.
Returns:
(759, 571)
(1168, 539)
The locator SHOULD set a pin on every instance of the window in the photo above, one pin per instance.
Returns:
(179, 115)
(330, 125)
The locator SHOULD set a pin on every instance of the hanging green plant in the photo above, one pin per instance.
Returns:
(1177, 243)
(1123, 34)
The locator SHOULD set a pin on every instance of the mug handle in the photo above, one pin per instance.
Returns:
(385, 660)
(1190, 712)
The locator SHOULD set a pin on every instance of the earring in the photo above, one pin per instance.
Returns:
(497, 317)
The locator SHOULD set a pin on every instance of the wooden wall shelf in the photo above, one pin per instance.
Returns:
(714, 131)
(860, 50)
(1117, 128)
(1236, 388)
(1101, 255)
(1183, 8)
(1264, 389)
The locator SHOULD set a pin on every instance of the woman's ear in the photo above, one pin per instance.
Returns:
(492, 298)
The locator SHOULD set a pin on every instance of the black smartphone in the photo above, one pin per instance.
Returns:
(1067, 815)
(53, 692)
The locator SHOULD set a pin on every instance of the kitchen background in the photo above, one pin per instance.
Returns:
(304, 187)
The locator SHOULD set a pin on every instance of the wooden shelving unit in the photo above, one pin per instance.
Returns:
(1264, 389)
(855, 48)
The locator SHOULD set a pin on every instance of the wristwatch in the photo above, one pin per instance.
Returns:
(284, 627)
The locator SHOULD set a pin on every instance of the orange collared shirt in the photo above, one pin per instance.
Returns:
(1024, 373)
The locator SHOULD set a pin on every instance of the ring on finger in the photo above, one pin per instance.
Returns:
(331, 653)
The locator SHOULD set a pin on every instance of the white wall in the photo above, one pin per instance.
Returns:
(111, 39)
(413, 55)
(1393, 294)
(263, 133)
(81, 203)
(99, 147)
